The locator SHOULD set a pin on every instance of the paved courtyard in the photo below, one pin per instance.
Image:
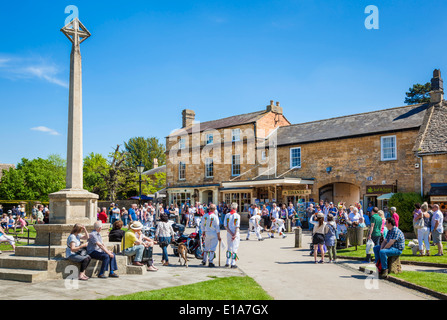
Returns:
(285, 272)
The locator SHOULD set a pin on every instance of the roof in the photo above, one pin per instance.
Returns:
(433, 135)
(223, 123)
(161, 169)
(395, 119)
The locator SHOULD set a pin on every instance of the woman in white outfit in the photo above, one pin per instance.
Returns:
(424, 232)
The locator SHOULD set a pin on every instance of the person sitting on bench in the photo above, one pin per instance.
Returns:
(393, 245)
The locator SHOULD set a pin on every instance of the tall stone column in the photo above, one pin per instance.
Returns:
(74, 204)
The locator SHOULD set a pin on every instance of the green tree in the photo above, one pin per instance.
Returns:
(33, 179)
(404, 203)
(145, 150)
(419, 93)
(95, 167)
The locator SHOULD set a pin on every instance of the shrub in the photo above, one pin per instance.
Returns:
(404, 203)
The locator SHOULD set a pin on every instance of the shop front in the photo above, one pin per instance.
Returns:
(279, 191)
(438, 195)
(378, 196)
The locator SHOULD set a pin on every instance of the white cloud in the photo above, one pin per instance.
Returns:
(46, 130)
(17, 68)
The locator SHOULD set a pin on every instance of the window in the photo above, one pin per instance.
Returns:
(209, 138)
(388, 148)
(209, 168)
(182, 171)
(235, 135)
(236, 165)
(182, 143)
(295, 158)
(264, 155)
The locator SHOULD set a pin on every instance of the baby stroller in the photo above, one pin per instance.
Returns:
(319, 252)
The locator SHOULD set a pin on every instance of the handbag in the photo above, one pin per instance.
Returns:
(419, 224)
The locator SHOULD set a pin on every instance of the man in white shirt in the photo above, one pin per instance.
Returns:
(192, 212)
(232, 224)
(437, 228)
(254, 224)
(274, 213)
(211, 233)
(278, 226)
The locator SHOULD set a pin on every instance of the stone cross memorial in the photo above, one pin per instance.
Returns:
(73, 204)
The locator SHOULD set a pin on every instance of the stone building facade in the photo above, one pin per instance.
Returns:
(361, 157)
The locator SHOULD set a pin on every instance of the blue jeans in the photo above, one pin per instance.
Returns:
(164, 255)
(107, 262)
(384, 254)
(136, 251)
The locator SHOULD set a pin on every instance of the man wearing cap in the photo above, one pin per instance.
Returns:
(232, 224)
(211, 233)
(132, 244)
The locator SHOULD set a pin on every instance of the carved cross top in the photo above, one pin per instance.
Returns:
(76, 32)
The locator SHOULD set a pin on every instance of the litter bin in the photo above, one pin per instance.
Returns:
(355, 236)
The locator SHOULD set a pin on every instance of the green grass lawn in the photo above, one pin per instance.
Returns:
(230, 288)
(432, 280)
(407, 254)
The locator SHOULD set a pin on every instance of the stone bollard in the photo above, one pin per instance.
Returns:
(288, 225)
(298, 237)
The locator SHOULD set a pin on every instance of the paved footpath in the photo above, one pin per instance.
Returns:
(285, 272)
(289, 273)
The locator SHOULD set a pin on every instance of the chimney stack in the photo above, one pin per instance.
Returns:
(188, 117)
(275, 109)
(155, 163)
(437, 87)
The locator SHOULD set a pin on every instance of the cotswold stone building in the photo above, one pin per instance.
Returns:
(261, 157)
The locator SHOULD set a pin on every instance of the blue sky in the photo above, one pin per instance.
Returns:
(148, 60)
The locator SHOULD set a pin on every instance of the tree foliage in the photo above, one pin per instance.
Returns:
(33, 179)
(419, 93)
(404, 203)
(145, 150)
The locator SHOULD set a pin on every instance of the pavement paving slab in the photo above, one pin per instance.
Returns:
(285, 272)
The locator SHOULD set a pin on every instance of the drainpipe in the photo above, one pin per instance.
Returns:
(421, 174)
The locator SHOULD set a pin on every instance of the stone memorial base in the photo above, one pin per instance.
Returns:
(73, 206)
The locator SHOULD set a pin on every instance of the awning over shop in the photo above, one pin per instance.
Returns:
(269, 182)
(386, 196)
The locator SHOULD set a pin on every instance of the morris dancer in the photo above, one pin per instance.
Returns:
(278, 225)
(211, 233)
(254, 224)
(232, 224)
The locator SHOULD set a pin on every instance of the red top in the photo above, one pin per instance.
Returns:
(102, 216)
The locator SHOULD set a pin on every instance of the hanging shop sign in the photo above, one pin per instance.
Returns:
(296, 192)
(380, 189)
(438, 199)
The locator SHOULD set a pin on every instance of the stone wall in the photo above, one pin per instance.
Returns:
(356, 161)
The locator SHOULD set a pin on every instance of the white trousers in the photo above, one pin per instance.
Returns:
(252, 228)
(210, 246)
(423, 235)
(232, 247)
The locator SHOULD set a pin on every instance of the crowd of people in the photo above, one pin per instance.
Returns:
(329, 224)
